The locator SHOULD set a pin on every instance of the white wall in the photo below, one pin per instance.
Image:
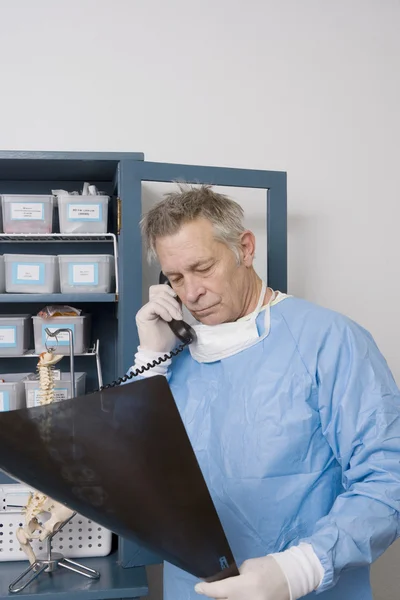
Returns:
(310, 87)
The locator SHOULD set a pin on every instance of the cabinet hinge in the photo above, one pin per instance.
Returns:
(119, 215)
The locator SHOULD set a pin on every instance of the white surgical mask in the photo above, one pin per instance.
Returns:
(215, 342)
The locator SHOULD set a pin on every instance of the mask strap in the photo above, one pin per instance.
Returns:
(273, 297)
(261, 298)
(267, 317)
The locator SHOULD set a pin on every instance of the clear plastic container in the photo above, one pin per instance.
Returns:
(62, 388)
(83, 214)
(23, 213)
(31, 274)
(14, 334)
(2, 275)
(85, 273)
(80, 327)
(12, 391)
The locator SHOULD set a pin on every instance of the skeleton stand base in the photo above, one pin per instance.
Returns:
(48, 563)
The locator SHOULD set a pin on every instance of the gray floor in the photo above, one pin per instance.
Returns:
(386, 575)
(155, 574)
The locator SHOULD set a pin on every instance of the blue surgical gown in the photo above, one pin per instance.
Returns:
(298, 438)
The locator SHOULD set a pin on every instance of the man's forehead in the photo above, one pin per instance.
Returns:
(198, 229)
(188, 265)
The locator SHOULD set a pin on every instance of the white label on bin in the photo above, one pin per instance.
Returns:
(59, 395)
(31, 273)
(56, 374)
(4, 401)
(84, 212)
(8, 336)
(84, 274)
(62, 338)
(27, 211)
(28, 272)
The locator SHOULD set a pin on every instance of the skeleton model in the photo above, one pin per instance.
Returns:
(40, 505)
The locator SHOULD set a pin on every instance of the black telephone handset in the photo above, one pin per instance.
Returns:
(183, 332)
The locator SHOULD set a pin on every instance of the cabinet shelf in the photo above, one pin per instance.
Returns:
(94, 352)
(114, 582)
(31, 354)
(57, 237)
(57, 298)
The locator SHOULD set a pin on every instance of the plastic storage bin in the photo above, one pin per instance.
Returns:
(80, 327)
(62, 388)
(27, 213)
(2, 275)
(12, 391)
(83, 214)
(86, 273)
(14, 334)
(31, 274)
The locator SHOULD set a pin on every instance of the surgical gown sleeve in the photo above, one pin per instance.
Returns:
(359, 405)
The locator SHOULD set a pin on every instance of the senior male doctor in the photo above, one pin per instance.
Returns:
(291, 410)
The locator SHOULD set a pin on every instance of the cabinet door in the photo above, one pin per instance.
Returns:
(131, 176)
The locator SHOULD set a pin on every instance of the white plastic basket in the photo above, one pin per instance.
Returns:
(85, 273)
(80, 327)
(31, 274)
(2, 275)
(26, 213)
(12, 391)
(83, 214)
(79, 538)
(62, 388)
(14, 334)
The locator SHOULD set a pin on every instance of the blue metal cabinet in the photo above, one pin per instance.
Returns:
(112, 322)
(121, 176)
(115, 582)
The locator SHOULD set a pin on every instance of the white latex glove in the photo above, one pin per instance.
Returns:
(287, 575)
(259, 579)
(151, 320)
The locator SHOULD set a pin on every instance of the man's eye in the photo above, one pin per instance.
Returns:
(176, 280)
(204, 270)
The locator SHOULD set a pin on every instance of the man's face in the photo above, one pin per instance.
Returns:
(204, 272)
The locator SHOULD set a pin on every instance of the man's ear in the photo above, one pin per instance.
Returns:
(248, 247)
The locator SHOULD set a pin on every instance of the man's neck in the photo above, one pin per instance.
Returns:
(253, 296)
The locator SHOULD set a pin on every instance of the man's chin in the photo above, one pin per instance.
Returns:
(212, 318)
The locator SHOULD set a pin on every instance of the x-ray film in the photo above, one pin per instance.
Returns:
(122, 458)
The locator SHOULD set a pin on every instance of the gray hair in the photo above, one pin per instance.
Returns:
(186, 205)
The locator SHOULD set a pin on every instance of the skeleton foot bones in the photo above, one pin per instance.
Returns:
(40, 505)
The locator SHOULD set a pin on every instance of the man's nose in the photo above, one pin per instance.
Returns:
(193, 290)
